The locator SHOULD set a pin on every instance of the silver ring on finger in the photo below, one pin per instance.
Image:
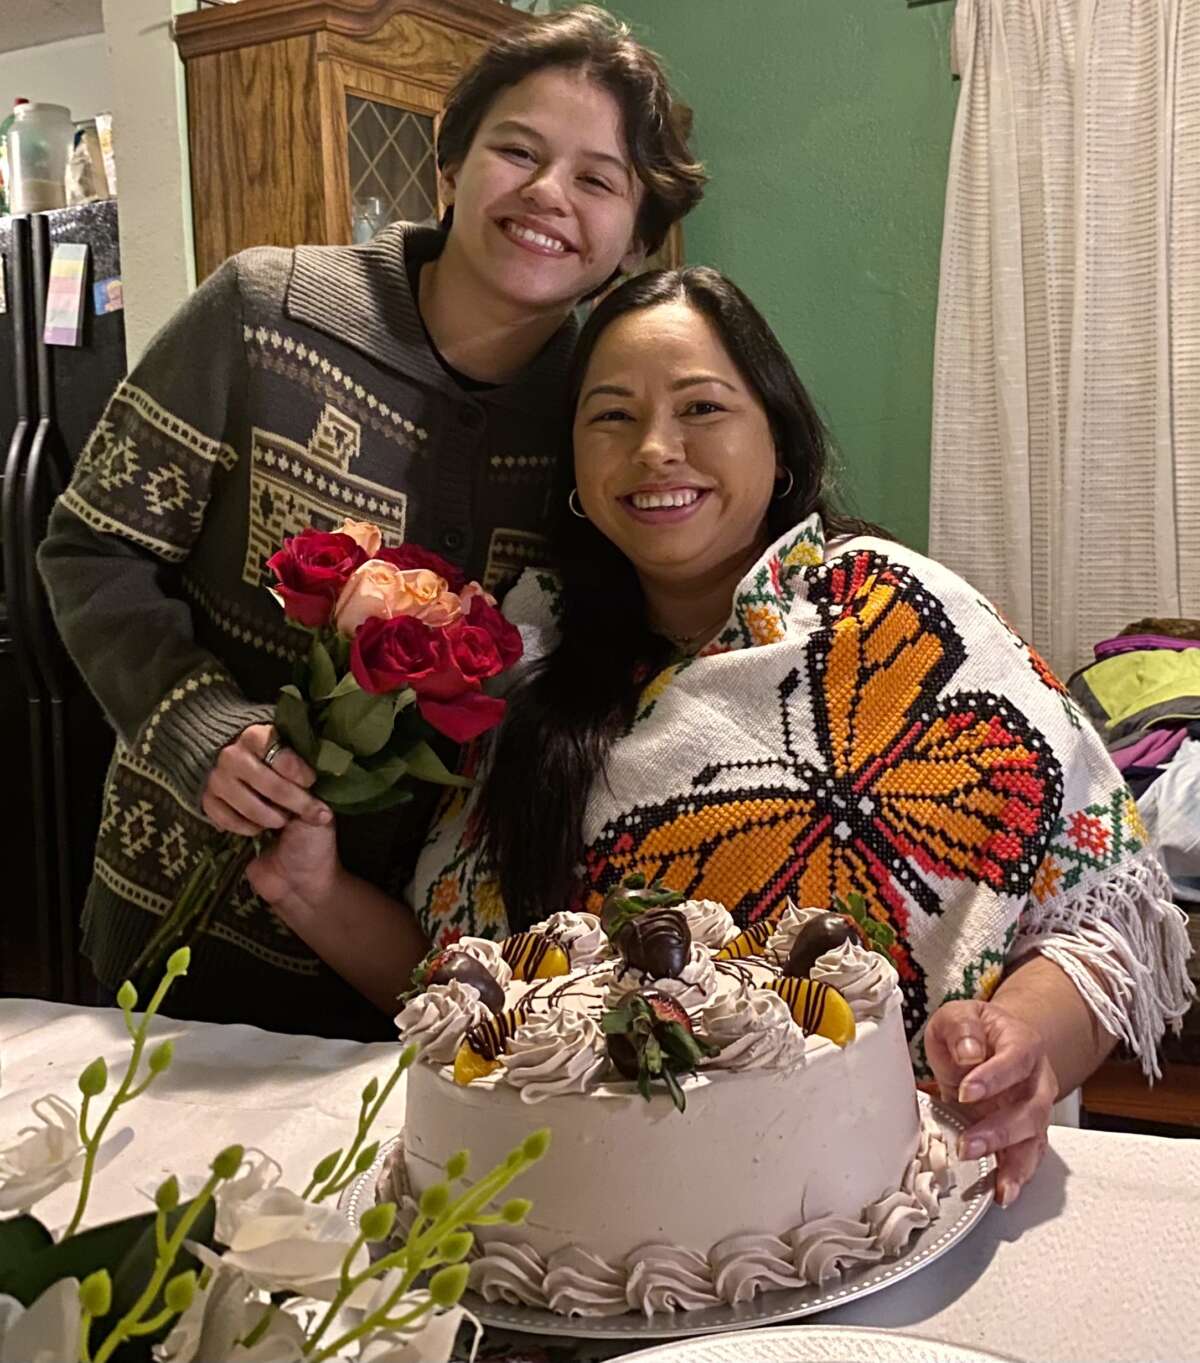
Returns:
(272, 752)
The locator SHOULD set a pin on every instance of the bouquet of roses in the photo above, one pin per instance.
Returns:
(401, 649)
(230, 1266)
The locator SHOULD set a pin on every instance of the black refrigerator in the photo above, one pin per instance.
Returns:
(56, 743)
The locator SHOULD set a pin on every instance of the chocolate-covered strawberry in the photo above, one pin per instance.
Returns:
(632, 898)
(650, 1037)
(658, 943)
(445, 965)
(819, 934)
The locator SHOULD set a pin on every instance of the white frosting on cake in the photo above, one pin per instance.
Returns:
(487, 953)
(755, 1031)
(779, 944)
(865, 979)
(695, 987)
(562, 1052)
(711, 923)
(580, 936)
(437, 1020)
(794, 1158)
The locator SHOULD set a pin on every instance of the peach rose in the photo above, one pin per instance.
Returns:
(442, 612)
(379, 589)
(470, 592)
(365, 534)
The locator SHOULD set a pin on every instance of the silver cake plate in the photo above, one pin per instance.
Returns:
(961, 1209)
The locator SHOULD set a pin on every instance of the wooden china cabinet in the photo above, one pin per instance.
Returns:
(305, 116)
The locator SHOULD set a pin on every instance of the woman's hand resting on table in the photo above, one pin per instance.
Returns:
(995, 1064)
(299, 871)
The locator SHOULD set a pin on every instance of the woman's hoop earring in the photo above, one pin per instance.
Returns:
(574, 503)
(786, 492)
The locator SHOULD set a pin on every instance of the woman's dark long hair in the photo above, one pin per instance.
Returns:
(563, 718)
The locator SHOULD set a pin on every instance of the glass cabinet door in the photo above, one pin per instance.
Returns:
(393, 175)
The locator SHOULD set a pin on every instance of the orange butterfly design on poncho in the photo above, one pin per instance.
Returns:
(913, 787)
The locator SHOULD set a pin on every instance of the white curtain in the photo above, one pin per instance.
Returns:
(1066, 421)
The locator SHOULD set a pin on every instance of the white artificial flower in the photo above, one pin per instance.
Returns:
(278, 1240)
(41, 1158)
(220, 1315)
(48, 1332)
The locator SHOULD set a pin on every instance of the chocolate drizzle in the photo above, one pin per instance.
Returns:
(751, 941)
(488, 1039)
(525, 952)
(814, 996)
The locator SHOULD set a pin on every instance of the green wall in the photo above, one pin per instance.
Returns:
(825, 125)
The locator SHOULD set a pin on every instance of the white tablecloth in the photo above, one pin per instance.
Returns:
(1098, 1259)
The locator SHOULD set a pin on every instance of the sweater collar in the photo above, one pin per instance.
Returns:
(360, 296)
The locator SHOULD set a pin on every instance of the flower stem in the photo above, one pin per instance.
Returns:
(92, 1143)
(366, 1119)
(127, 1325)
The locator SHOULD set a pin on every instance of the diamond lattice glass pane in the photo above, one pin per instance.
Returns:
(390, 158)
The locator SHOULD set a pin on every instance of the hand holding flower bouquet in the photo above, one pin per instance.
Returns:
(401, 648)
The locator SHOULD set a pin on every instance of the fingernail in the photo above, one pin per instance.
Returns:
(970, 1091)
(971, 1149)
(1005, 1192)
(324, 816)
(968, 1050)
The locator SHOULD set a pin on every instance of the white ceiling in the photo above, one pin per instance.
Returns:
(28, 23)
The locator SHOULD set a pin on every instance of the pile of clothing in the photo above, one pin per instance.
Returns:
(1143, 695)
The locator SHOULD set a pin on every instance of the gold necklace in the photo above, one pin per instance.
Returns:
(686, 641)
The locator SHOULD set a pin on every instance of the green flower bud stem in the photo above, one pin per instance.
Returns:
(375, 1321)
(128, 1325)
(124, 1094)
(160, 1232)
(366, 1118)
(148, 1327)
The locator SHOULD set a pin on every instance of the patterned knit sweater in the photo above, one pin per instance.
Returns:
(294, 388)
(865, 722)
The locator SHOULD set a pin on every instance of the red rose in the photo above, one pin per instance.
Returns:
(507, 638)
(463, 719)
(311, 569)
(413, 556)
(445, 667)
(388, 655)
(474, 652)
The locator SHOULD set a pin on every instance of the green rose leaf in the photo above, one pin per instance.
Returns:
(360, 721)
(292, 723)
(332, 758)
(322, 677)
(347, 686)
(426, 765)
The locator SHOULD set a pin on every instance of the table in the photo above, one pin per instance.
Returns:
(1099, 1258)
